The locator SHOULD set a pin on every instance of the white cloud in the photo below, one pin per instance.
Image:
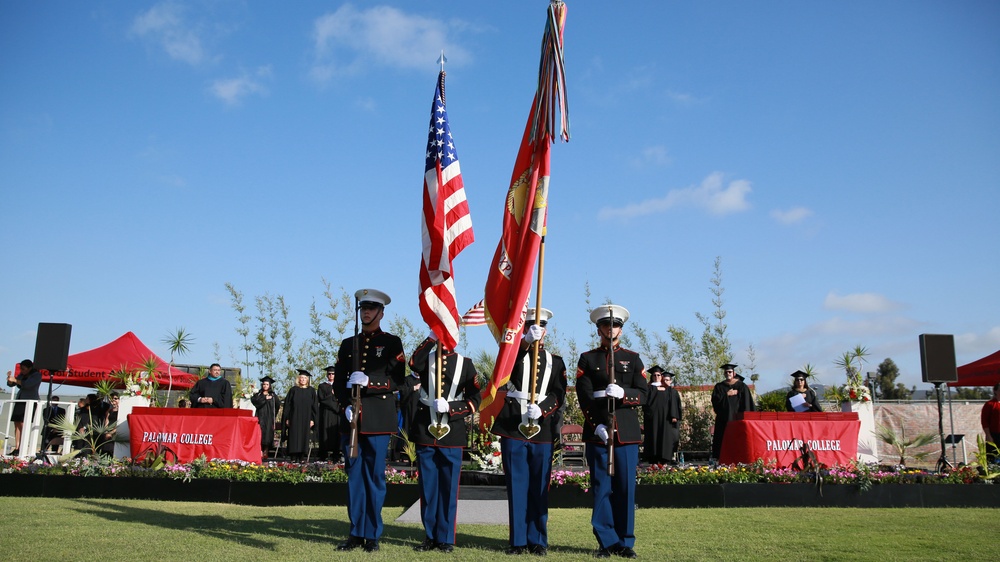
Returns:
(682, 98)
(366, 103)
(977, 345)
(712, 195)
(233, 90)
(164, 25)
(866, 303)
(348, 39)
(794, 215)
(652, 155)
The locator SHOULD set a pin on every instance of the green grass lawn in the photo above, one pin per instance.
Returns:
(82, 529)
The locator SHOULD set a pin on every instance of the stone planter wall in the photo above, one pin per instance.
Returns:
(405, 495)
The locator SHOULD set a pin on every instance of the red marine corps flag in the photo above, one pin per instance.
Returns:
(446, 224)
(509, 281)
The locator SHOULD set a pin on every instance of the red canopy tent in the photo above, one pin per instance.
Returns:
(128, 353)
(983, 372)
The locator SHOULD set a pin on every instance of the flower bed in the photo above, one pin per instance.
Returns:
(861, 475)
(202, 469)
(276, 483)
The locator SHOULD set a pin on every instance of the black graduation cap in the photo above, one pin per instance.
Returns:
(669, 374)
(329, 369)
(267, 379)
(800, 375)
(655, 369)
(727, 366)
(304, 372)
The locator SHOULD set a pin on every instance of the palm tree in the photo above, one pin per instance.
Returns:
(178, 342)
(901, 444)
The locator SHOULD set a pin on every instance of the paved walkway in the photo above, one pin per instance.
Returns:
(483, 505)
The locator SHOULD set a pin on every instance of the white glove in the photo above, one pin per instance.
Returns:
(534, 412)
(602, 432)
(654, 384)
(534, 333)
(441, 405)
(432, 336)
(349, 412)
(615, 391)
(358, 378)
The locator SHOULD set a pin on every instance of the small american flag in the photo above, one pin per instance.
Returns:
(476, 316)
(446, 225)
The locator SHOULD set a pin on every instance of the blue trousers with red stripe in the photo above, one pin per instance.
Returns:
(527, 468)
(440, 468)
(613, 518)
(365, 484)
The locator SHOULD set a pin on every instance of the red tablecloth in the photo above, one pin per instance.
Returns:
(833, 437)
(217, 433)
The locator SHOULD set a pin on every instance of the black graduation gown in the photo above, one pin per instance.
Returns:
(106, 445)
(219, 390)
(83, 423)
(328, 428)
(726, 407)
(299, 409)
(661, 436)
(266, 412)
(811, 399)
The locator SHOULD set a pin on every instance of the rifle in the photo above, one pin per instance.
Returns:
(611, 401)
(352, 450)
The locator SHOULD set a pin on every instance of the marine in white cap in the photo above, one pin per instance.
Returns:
(600, 396)
(378, 370)
(527, 430)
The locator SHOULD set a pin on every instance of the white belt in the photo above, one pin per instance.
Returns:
(517, 395)
(600, 394)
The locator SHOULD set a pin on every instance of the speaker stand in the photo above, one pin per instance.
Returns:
(42, 452)
(942, 466)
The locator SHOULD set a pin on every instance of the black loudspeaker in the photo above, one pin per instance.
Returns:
(52, 346)
(937, 358)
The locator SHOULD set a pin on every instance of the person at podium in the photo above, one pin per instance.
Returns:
(729, 397)
(801, 398)
(213, 391)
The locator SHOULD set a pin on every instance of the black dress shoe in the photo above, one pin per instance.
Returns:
(626, 552)
(428, 544)
(602, 553)
(514, 550)
(350, 544)
(371, 545)
(445, 547)
(538, 550)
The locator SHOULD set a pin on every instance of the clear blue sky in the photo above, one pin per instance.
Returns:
(841, 157)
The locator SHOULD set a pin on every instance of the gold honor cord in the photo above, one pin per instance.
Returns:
(438, 427)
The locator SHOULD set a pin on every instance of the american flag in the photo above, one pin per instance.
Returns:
(476, 316)
(446, 225)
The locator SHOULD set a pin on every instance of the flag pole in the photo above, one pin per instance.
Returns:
(531, 429)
